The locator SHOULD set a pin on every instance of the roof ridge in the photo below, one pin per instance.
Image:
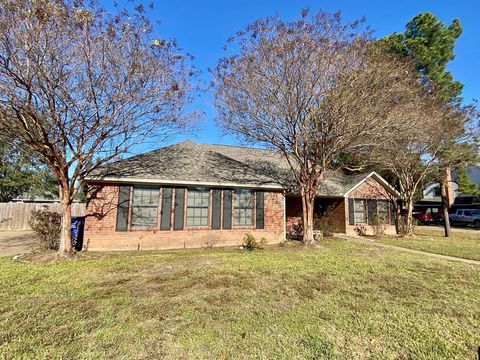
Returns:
(237, 146)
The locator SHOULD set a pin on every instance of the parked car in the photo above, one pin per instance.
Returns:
(423, 218)
(428, 216)
(466, 217)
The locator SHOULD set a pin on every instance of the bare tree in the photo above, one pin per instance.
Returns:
(416, 149)
(80, 86)
(310, 90)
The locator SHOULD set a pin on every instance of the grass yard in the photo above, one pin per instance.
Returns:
(463, 243)
(340, 301)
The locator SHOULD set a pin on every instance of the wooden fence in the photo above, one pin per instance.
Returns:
(16, 216)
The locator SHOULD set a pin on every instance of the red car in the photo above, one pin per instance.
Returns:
(428, 216)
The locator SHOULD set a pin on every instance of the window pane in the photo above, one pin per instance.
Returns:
(243, 207)
(382, 211)
(197, 206)
(145, 206)
(359, 207)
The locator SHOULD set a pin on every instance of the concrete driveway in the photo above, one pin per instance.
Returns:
(16, 242)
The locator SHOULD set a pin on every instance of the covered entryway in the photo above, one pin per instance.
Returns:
(329, 215)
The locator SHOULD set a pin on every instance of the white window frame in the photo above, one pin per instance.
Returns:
(240, 219)
(147, 202)
(385, 219)
(355, 211)
(195, 205)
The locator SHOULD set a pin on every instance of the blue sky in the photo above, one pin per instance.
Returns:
(202, 28)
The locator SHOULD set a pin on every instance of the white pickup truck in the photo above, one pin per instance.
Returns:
(466, 217)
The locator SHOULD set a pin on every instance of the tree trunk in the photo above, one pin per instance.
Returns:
(65, 238)
(397, 217)
(446, 219)
(308, 201)
(408, 230)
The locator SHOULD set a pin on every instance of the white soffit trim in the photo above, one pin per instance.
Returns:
(179, 182)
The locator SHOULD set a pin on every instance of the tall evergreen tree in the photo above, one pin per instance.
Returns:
(430, 43)
(23, 176)
(465, 185)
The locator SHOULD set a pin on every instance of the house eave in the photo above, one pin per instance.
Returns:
(153, 181)
(323, 196)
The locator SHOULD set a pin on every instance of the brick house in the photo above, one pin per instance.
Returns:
(193, 195)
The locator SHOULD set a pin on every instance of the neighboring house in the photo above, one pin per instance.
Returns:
(193, 195)
(432, 197)
(432, 193)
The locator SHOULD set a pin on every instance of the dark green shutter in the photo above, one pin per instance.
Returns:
(216, 209)
(123, 206)
(166, 209)
(372, 211)
(227, 209)
(259, 210)
(178, 209)
(351, 214)
(392, 213)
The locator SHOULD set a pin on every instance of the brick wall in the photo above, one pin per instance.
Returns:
(337, 215)
(370, 189)
(101, 220)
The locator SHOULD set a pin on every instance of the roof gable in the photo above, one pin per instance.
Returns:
(379, 179)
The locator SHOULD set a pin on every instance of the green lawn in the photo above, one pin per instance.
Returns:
(340, 301)
(463, 243)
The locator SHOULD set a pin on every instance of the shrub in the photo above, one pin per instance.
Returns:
(294, 229)
(250, 243)
(325, 222)
(209, 242)
(47, 226)
(360, 230)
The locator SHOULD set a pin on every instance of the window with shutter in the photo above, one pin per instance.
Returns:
(392, 213)
(216, 209)
(166, 209)
(227, 209)
(123, 207)
(372, 217)
(178, 209)
(259, 210)
(351, 214)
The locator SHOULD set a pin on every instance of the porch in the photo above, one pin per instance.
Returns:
(329, 215)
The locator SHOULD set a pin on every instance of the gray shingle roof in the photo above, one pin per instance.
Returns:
(191, 163)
